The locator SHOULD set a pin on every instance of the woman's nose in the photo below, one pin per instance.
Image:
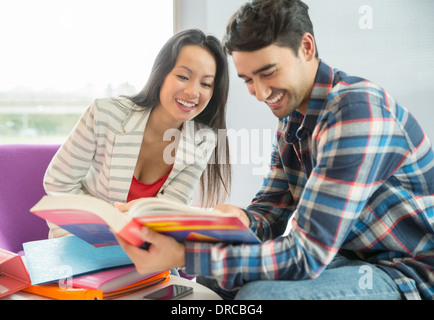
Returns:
(192, 91)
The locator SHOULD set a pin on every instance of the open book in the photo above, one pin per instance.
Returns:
(95, 220)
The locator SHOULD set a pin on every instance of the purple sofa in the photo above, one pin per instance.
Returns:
(22, 168)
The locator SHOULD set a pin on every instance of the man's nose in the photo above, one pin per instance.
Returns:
(261, 91)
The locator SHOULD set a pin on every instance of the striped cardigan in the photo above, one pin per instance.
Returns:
(100, 155)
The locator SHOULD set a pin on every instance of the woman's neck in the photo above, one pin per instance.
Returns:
(158, 123)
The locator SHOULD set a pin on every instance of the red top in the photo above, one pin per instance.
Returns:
(141, 190)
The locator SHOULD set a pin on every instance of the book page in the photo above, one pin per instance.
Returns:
(158, 206)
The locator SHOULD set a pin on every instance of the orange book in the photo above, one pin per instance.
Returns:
(141, 285)
(53, 291)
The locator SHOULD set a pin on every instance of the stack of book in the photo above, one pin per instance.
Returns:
(104, 285)
(70, 269)
(90, 264)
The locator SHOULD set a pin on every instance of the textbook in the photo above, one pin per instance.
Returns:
(147, 283)
(54, 259)
(114, 279)
(98, 289)
(54, 291)
(96, 221)
(13, 273)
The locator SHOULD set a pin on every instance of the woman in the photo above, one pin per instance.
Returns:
(127, 148)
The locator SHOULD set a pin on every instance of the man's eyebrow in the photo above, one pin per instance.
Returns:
(264, 68)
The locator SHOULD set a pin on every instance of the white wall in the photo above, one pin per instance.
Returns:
(390, 42)
(245, 114)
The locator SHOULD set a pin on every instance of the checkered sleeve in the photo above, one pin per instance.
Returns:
(349, 163)
(274, 203)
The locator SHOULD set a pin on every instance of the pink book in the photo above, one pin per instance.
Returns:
(110, 280)
(13, 274)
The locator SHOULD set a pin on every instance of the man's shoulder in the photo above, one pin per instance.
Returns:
(350, 89)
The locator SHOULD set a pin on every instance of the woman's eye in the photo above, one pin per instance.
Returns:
(182, 77)
(207, 85)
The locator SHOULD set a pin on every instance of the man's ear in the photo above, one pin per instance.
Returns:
(307, 46)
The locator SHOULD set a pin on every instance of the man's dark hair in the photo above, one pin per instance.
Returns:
(260, 23)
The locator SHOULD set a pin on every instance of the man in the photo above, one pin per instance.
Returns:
(350, 165)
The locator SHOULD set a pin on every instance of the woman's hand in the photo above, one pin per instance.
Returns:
(124, 207)
(164, 253)
(228, 208)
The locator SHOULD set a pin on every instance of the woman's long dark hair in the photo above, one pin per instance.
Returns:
(216, 180)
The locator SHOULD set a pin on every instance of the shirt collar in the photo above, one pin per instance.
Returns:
(324, 82)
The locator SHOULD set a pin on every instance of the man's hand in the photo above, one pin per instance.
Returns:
(228, 208)
(164, 253)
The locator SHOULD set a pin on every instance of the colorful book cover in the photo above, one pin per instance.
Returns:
(63, 258)
(93, 220)
(200, 228)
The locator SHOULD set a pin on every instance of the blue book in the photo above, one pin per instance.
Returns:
(62, 258)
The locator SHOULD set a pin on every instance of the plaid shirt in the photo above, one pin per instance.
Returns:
(356, 174)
